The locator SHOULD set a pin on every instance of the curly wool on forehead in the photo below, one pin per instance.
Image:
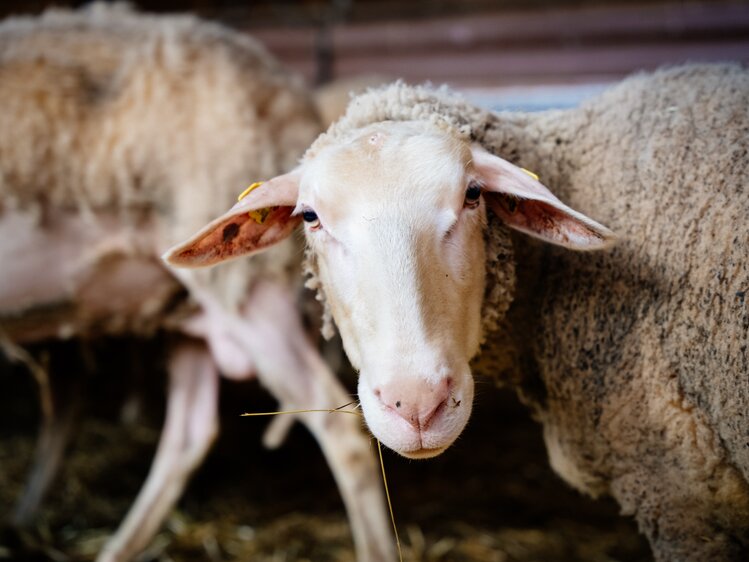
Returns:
(385, 135)
(431, 109)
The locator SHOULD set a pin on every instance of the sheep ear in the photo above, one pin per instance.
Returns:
(259, 220)
(525, 204)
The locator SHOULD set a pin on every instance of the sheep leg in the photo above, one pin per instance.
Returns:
(131, 410)
(190, 428)
(290, 367)
(54, 436)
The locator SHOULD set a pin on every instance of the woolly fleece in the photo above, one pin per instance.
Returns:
(108, 109)
(634, 359)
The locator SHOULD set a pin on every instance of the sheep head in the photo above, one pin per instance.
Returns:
(394, 215)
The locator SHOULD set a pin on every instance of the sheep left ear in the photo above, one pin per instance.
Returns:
(262, 217)
(525, 204)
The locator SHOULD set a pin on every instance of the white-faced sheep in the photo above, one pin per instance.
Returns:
(119, 133)
(634, 359)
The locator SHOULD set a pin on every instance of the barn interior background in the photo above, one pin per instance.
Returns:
(492, 497)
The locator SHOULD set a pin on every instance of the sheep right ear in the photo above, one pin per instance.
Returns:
(259, 220)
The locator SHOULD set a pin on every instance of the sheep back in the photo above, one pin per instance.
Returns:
(108, 109)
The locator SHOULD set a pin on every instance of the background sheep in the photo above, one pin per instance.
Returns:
(635, 359)
(119, 133)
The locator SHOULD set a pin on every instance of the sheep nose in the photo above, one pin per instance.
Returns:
(415, 400)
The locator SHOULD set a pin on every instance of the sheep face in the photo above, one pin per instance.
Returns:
(394, 215)
(395, 221)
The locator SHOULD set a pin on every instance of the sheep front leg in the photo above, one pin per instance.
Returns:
(290, 367)
(48, 454)
(190, 428)
(59, 417)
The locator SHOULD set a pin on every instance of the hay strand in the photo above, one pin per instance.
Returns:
(340, 410)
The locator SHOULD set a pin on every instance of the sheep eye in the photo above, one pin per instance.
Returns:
(473, 194)
(310, 217)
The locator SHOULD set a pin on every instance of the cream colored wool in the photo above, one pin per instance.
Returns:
(635, 359)
(106, 109)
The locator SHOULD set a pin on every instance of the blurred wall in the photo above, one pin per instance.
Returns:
(543, 47)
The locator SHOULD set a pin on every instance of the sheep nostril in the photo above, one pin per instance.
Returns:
(398, 404)
(426, 419)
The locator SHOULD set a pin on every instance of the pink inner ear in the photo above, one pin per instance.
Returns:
(544, 221)
(232, 236)
(238, 233)
(525, 204)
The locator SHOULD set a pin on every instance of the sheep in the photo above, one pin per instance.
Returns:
(120, 132)
(633, 358)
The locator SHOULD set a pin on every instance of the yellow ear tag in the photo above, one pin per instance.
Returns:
(531, 174)
(246, 192)
(258, 215)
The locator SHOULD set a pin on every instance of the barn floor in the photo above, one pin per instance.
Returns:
(491, 497)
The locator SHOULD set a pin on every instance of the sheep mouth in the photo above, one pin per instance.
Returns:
(423, 453)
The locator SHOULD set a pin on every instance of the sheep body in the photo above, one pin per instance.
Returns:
(658, 330)
(138, 114)
(121, 132)
(634, 360)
